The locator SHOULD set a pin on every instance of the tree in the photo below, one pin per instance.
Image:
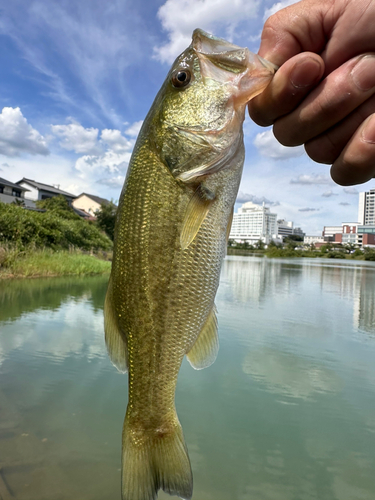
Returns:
(59, 205)
(19, 202)
(106, 218)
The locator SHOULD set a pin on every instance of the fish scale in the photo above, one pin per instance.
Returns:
(170, 239)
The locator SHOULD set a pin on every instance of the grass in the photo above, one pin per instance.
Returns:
(45, 262)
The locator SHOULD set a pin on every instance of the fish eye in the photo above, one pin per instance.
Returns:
(181, 78)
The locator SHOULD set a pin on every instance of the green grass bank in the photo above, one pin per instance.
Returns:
(49, 263)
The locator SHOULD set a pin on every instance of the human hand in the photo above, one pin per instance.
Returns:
(326, 101)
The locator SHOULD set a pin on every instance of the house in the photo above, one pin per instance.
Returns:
(9, 192)
(89, 203)
(39, 191)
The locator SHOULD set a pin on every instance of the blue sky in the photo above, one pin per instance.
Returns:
(77, 79)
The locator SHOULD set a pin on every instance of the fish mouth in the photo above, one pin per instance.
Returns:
(226, 62)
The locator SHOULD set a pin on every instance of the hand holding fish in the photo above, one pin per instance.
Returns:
(325, 101)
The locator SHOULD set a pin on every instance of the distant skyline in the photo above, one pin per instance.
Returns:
(79, 77)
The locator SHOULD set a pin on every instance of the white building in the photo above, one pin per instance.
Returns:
(38, 191)
(284, 227)
(253, 223)
(366, 207)
(311, 240)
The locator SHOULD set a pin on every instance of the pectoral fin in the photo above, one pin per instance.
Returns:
(115, 342)
(204, 351)
(196, 212)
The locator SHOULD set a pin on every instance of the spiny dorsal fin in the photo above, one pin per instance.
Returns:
(116, 344)
(196, 212)
(204, 351)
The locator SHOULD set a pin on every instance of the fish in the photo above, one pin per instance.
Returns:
(172, 226)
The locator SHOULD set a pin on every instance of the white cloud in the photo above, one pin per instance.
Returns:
(344, 204)
(134, 129)
(268, 146)
(329, 194)
(307, 179)
(307, 209)
(77, 138)
(180, 17)
(116, 142)
(17, 136)
(258, 200)
(113, 182)
(351, 190)
(109, 163)
(276, 7)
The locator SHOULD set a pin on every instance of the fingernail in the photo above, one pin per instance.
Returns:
(368, 132)
(363, 73)
(306, 73)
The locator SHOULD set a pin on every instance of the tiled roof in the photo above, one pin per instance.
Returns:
(46, 187)
(4, 182)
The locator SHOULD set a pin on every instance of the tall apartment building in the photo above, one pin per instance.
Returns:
(253, 223)
(366, 208)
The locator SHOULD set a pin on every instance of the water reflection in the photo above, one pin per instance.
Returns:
(60, 317)
(289, 374)
(286, 412)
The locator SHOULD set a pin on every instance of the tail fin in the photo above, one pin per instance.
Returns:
(153, 462)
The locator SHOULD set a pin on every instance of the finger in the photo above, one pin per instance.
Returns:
(290, 85)
(327, 148)
(333, 100)
(356, 164)
(294, 29)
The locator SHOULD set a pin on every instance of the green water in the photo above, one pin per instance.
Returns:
(287, 412)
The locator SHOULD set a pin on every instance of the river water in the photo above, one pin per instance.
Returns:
(287, 412)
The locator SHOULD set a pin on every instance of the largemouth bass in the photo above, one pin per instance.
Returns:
(173, 220)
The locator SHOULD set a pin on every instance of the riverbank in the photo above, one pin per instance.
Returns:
(48, 263)
(276, 252)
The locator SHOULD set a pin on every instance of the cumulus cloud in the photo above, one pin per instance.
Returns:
(105, 166)
(344, 204)
(180, 17)
(276, 7)
(77, 138)
(116, 142)
(308, 209)
(351, 190)
(268, 146)
(307, 179)
(134, 129)
(328, 194)
(258, 200)
(17, 136)
(113, 182)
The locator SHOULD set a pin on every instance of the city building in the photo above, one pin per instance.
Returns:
(39, 191)
(284, 227)
(314, 240)
(253, 223)
(366, 207)
(89, 203)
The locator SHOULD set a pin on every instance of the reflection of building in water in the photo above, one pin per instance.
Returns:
(364, 310)
(254, 279)
(354, 282)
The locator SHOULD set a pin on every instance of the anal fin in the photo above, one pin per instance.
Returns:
(115, 342)
(204, 351)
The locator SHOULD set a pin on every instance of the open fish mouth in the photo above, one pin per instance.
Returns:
(228, 63)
